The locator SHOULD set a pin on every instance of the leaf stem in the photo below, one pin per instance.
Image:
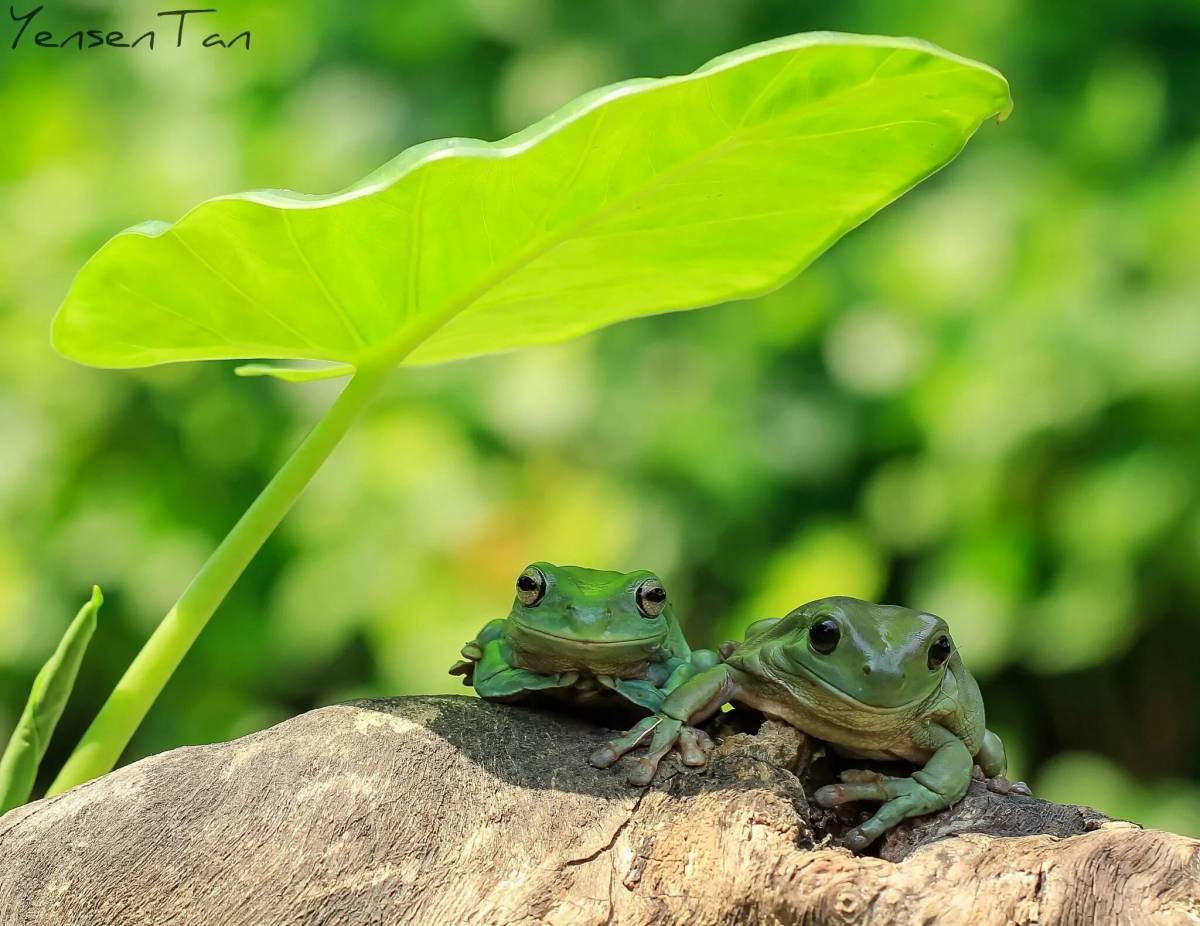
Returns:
(109, 734)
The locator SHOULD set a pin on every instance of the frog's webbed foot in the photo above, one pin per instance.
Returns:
(944, 780)
(998, 784)
(497, 679)
(902, 797)
(662, 731)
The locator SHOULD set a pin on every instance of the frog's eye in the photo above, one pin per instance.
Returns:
(531, 587)
(651, 598)
(823, 636)
(940, 651)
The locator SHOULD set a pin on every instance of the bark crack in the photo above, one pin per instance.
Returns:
(612, 840)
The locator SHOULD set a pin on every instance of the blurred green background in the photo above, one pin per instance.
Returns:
(985, 403)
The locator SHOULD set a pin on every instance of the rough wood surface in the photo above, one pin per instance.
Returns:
(445, 810)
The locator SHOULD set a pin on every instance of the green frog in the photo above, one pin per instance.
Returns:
(873, 681)
(583, 636)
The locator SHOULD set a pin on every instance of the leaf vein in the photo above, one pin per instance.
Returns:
(338, 309)
(255, 303)
(414, 252)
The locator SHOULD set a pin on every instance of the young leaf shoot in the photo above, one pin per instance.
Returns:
(51, 689)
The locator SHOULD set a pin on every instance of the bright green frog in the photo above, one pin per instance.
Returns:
(583, 636)
(872, 681)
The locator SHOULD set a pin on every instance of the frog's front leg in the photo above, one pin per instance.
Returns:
(692, 702)
(698, 661)
(472, 651)
(642, 692)
(944, 780)
(496, 678)
(651, 692)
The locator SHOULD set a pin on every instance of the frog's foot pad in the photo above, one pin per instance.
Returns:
(466, 669)
(1001, 785)
(472, 651)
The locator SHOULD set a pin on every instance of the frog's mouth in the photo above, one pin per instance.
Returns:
(580, 641)
(859, 702)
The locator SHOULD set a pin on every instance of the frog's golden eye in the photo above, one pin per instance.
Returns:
(531, 587)
(940, 651)
(823, 635)
(651, 598)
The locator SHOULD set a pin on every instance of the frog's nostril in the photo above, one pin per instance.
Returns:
(866, 669)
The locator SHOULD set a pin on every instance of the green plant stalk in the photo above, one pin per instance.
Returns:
(114, 726)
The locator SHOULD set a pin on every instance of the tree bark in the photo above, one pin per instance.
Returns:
(446, 810)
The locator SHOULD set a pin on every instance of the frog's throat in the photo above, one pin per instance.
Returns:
(785, 674)
(580, 641)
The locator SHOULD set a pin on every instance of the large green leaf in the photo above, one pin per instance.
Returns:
(47, 698)
(643, 197)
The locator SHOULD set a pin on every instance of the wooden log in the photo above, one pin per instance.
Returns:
(446, 810)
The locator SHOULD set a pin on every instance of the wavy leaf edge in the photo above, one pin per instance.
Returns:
(413, 158)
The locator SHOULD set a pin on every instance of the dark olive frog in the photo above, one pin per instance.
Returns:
(872, 681)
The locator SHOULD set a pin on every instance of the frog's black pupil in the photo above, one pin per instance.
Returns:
(527, 584)
(824, 636)
(656, 594)
(939, 652)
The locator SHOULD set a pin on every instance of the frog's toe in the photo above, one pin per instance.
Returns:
(861, 776)
(607, 754)
(858, 784)
(472, 651)
(694, 747)
(604, 757)
(1001, 785)
(849, 791)
(642, 772)
(856, 840)
(664, 735)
